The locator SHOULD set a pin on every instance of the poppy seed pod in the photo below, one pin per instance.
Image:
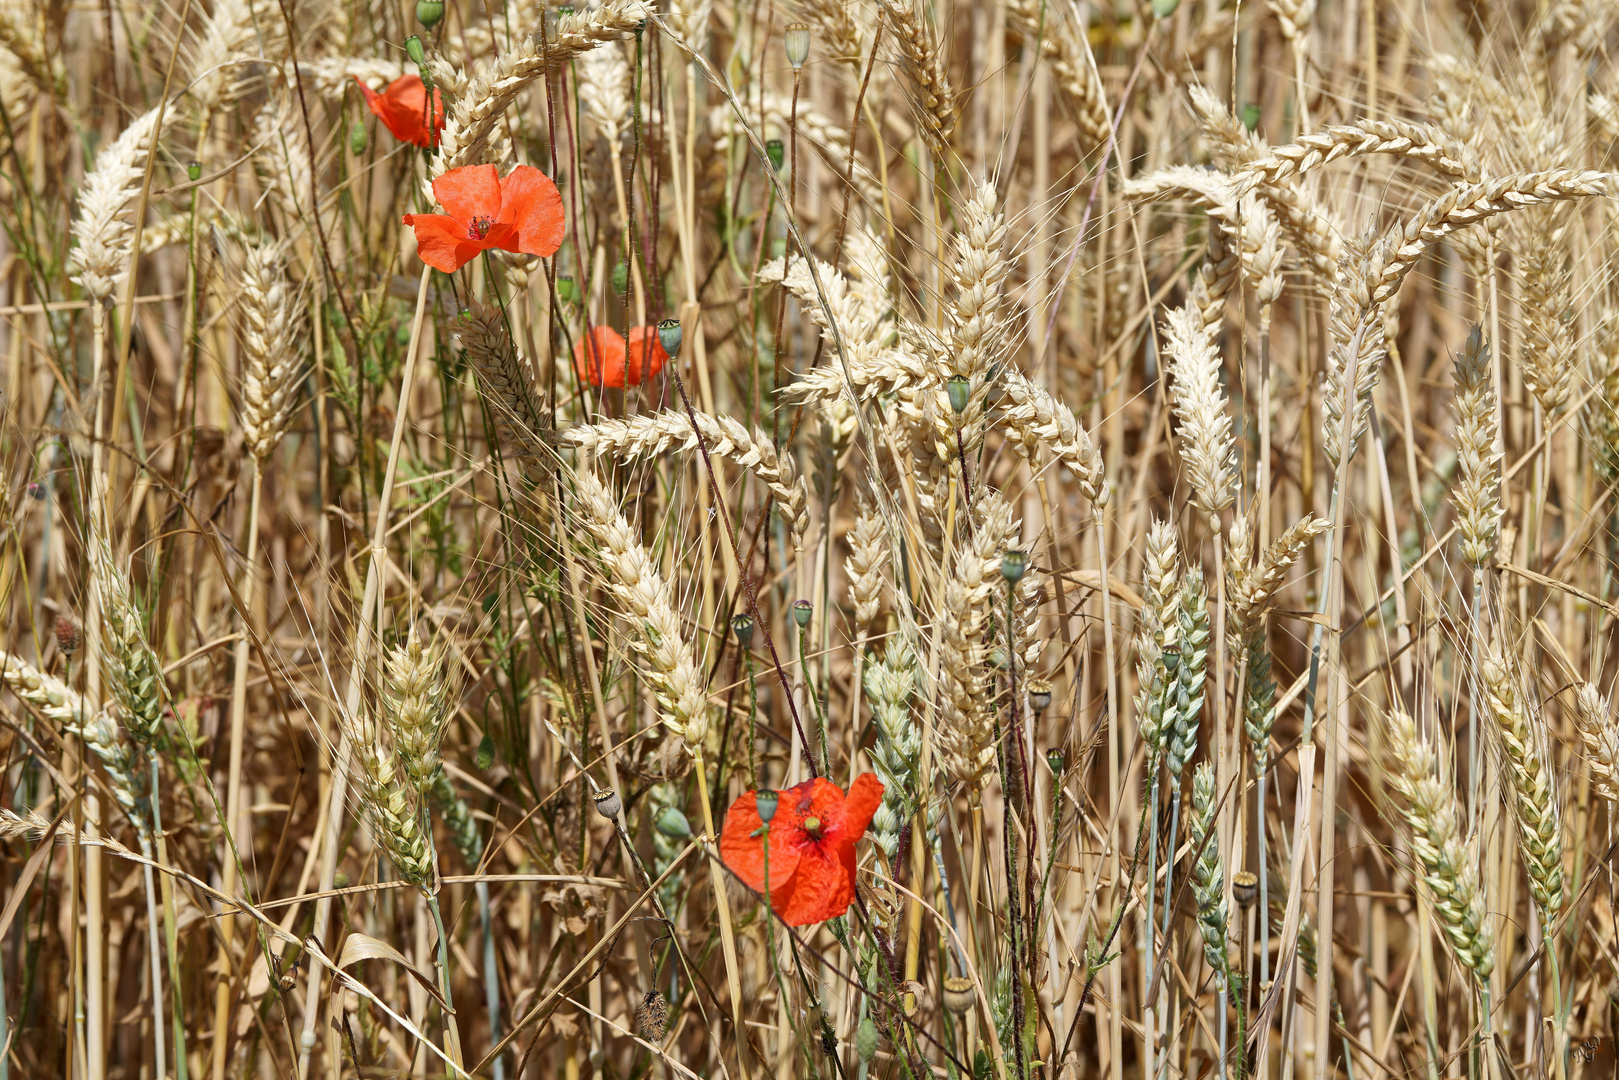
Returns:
(1244, 887)
(1039, 695)
(485, 757)
(567, 291)
(742, 627)
(958, 994)
(797, 41)
(429, 12)
(669, 335)
(802, 611)
(960, 390)
(621, 277)
(673, 824)
(865, 1040)
(68, 638)
(413, 49)
(766, 802)
(608, 804)
(1054, 761)
(1013, 566)
(776, 151)
(1163, 9)
(358, 139)
(194, 171)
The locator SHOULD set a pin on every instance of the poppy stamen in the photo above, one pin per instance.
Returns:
(480, 227)
(812, 825)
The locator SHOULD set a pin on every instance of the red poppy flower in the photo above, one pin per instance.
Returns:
(604, 359)
(812, 839)
(402, 108)
(519, 212)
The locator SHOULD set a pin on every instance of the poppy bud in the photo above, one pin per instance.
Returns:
(997, 658)
(429, 12)
(194, 171)
(1054, 760)
(742, 627)
(68, 638)
(802, 610)
(1163, 9)
(36, 491)
(413, 49)
(608, 804)
(797, 41)
(669, 335)
(1039, 695)
(865, 1040)
(485, 757)
(958, 994)
(1244, 886)
(959, 390)
(621, 277)
(673, 824)
(1013, 566)
(652, 1016)
(776, 151)
(567, 291)
(765, 801)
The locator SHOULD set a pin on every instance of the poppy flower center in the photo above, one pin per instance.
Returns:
(480, 227)
(812, 825)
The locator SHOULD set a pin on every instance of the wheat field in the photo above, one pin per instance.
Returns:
(1119, 501)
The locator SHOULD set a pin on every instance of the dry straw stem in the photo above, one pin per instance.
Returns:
(105, 237)
(1208, 449)
(926, 67)
(645, 603)
(1447, 861)
(1401, 138)
(1249, 589)
(472, 121)
(505, 383)
(1068, 55)
(272, 330)
(1522, 742)
(63, 707)
(1593, 716)
(647, 436)
(966, 730)
(1477, 494)
(1037, 419)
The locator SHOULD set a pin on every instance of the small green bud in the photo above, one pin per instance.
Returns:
(865, 1040)
(194, 171)
(567, 291)
(358, 139)
(673, 824)
(1250, 116)
(621, 277)
(742, 627)
(1163, 9)
(960, 390)
(776, 151)
(669, 335)
(1014, 564)
(765, 801)
(413, 49)
(429, 12)
(486, 753)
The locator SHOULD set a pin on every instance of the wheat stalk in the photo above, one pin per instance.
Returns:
(1548, 306)
(1401, 138)
(1249, 589)
(919, 50)
(868, 557)
(651, 435)
(1593, 717)
(1522, 741)
(1208, 449)
(416, 706)
(272, 348)
(1477, 497)
(1037, 419)
(965, 732)
(505, 383)
(1068, 55)
(105, 237)
(896, 754)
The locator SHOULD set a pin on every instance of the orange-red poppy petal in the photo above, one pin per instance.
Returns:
(530, 202)
(469, 193)
(822, 885)
(402, 107)
(598, 357)
(442, 242)
(644, 357)
(742, 849)
(865, 796)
